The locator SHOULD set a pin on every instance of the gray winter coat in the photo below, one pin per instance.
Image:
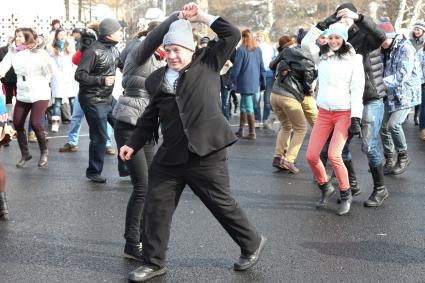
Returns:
(132, 104)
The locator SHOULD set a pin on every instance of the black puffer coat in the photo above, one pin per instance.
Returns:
(366, 38)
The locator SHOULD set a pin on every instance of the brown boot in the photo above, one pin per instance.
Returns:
(251, 125)
(242, 123)
(23, 146)
(41, 138)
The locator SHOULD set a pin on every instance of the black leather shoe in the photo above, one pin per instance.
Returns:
(96, 178)
(247, 261)
(133, 251)
(144, 273)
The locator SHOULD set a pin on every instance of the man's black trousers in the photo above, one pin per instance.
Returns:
(208, 178)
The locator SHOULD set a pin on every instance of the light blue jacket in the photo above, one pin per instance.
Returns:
(402, 75)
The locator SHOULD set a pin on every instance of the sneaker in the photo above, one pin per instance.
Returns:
(290, 166)
(276, 162)
(268, 125)
(109, 150)
(55, 127)
(31, 137)
(68, 148)
(133, 251)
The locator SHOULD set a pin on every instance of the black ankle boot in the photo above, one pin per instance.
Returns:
(380, 193)
(23, 146)
(327, 191)
(355, 190)
(390, 162)
(3, 204)
(41, 138)
(402, 163)
(346, 200)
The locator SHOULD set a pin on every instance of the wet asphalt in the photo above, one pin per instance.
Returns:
(63, 228)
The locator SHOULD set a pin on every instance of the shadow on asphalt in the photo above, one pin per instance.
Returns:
(374, 251)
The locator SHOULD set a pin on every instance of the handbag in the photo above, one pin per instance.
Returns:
(6, 133)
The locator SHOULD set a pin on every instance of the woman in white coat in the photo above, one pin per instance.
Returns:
(64, 87)
(341, 86)
(34, 69)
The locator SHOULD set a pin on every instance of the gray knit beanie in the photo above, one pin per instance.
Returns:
(180, 33)
(108, 26)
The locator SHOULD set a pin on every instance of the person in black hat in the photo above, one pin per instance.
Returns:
(366, 38)
(96, 75)
(186, 102)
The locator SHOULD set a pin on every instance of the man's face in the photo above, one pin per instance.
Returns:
(347, 21)
(322, 39)
(116, 36)
(387, 43)
(178, 57)
(77, 36)
(418, 32)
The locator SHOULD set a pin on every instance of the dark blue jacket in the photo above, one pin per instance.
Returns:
(248, 70)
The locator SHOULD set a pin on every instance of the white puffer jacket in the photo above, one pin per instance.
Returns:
(34, 70)
(341, 79)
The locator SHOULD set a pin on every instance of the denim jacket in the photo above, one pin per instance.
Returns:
(402, 75)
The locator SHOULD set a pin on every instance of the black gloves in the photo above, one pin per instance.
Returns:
(327, 22)
(355, 127)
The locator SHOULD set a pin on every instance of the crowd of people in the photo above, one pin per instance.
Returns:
(346, 76)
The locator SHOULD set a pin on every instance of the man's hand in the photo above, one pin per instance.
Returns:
(347, 13)
(193, 13)
(126, 152)
(109, 80)
(3, 118)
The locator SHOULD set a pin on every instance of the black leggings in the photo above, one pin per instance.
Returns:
(37, 108)
(9, 90)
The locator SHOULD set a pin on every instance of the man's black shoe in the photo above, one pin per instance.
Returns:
(96, 178)
(144, 273)
(133, 251)
(247, 261)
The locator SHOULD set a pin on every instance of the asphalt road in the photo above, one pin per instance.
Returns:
(62, 228)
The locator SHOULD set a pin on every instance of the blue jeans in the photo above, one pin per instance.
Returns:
(392, 133)
(97, 117)
(75, 128)
(422, 114)
(225, 101)
(267, 92)
(247, 105)
(56, 108)
(373, 113)
(257, 107)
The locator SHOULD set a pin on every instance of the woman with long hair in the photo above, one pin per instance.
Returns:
(248, 73)
(34, 69)
(64, 87)
(341, 86)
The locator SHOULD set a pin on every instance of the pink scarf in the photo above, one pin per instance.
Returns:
(21, 47)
